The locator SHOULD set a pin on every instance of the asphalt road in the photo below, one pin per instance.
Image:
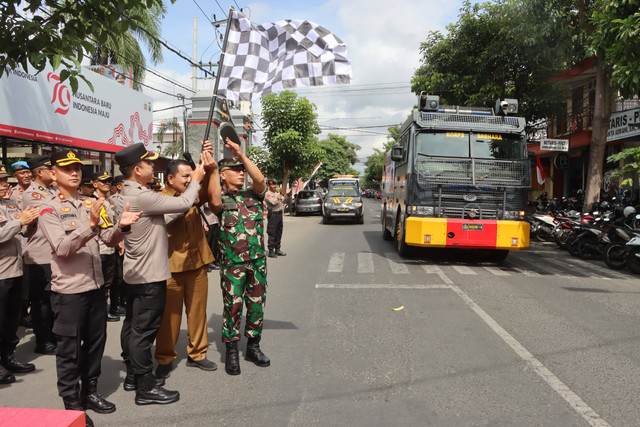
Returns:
(542, 339)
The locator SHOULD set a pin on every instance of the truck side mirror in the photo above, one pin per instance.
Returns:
(397, 153)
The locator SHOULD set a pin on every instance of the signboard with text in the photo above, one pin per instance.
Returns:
(624, 124)
(40, 107)
(554, 145)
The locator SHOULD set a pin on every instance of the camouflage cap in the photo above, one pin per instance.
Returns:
(229, 162)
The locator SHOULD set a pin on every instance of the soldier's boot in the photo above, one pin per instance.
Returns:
(254, 354)
(14, 366)
(280, 253)
(232, 363)
(148, 393)
(72, 403)
(91, 399)
(130, 379)
(272, 254)
(6, 377)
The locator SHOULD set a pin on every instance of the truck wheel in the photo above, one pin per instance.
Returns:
(403, 248)
(386, 234)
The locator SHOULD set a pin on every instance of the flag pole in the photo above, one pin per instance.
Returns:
(214, 98)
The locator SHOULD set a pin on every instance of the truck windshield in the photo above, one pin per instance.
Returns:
(465, 144)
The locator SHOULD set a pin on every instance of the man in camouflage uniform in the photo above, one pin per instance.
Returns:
(243, 268)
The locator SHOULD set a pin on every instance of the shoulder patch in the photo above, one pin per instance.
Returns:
(47, 210)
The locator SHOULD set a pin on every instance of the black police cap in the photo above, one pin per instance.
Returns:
(65, 157)
(133, 154)
(39, 161)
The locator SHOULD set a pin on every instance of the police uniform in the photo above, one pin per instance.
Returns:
(118, 286)
(37, 256)
(274, 202)
(10, 287)
(77, 289)
(146, 271)
(243, 268)
(18, 191)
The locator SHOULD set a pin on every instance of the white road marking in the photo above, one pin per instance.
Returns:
(336, 263)
(565, 263)
(365, 262)
(396, 267)
(430, 269)
(497, 271)
(463, 269)
(377, 286)
(589, 415)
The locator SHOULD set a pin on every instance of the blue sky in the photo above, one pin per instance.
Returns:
(382, 37)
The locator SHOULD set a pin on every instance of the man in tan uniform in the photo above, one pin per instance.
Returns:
(146, 269)
(12, 221)
(189, 256)
(37, 256)
(72, 225)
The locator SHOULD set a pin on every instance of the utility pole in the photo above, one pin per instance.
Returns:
(194, 76)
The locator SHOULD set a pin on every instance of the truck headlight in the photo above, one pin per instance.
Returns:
(421, 210)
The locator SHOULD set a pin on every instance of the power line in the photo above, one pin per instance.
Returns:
(205, 15)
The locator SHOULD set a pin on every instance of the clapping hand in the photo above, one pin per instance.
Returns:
(128, 217)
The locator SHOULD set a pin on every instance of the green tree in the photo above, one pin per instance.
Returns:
(124, 49)
(337, 158)
(374, 165)
(262, 158)
(290, 125)
(175, 149)
(509, 48)
(63, 32)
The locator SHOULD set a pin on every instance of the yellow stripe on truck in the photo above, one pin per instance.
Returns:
(512, 235)
(426, 232)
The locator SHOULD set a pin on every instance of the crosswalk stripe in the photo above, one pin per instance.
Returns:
(527, 272)
(566, 263)
(396, 267)
(462, 269)
(430, 269)
(336, 263)
(496, 271)
(609, 272)
(365, 262)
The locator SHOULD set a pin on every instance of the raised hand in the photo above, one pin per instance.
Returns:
(233, 147)
(207, 161)
(128, 217)
(198, 173)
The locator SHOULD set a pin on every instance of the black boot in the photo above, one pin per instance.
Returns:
(9, 361)
(130, 379)
(72, 403)
(231, 363)
(272, 254)
(254, 354)
(91, 399)
(280, 253)
(6, 377)
(149, 393)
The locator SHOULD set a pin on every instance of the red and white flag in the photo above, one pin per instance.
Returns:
(315, 169)
(539, 171)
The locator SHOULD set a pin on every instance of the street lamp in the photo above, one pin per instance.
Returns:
(184, 122)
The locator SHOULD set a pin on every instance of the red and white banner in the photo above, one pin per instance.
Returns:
(39, 107)
(315, 169)
(539, 171)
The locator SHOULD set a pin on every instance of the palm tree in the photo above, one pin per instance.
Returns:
(174, 149)
(125, 50)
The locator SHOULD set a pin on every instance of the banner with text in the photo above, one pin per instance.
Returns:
(40, 107)
(624, 124)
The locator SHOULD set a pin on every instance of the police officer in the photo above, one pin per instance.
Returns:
(243, 270)
(12, 220)
(37, 257)
(72, 225)
(22, 173)
(146, 269)
(116, 188)
(274, 201)
(102, 189)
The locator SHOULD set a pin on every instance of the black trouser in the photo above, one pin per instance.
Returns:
(81, 326)
(10, 292)
(40, 291)
(274, 230)
(108, 273)
(118, 282)
(212, 239)
(24, 293)
(145, 304)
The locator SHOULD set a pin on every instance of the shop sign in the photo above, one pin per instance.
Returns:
(554, 145)
(38, 106)
(624, 124)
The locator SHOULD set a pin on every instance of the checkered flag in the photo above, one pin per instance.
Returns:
(281, 55)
